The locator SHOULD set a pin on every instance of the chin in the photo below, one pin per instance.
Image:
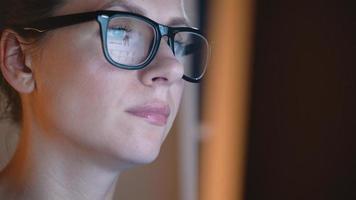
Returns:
(133, 145)
(148, 158)
(137, 159)
(139, 153)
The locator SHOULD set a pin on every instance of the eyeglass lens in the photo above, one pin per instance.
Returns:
(192, 51)
(130, 42)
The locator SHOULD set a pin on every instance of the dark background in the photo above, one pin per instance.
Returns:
(302, 128)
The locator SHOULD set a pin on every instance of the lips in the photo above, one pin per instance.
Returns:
(155, 113)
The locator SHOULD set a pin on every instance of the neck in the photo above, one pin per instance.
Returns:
(46, 167)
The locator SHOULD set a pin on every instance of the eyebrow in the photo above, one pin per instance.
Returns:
(176, 21)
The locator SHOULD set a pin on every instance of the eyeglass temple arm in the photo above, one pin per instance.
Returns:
(60, 21)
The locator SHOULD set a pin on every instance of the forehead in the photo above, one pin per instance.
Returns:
(162, 11)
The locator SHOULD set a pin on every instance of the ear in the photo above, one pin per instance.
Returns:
(15, 65)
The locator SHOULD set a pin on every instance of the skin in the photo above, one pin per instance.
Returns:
(76, 137)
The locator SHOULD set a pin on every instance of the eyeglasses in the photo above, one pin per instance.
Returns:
(131, 41)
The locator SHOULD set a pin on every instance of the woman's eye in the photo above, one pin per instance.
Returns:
(179, 48)
(118, 32)
(184, 49)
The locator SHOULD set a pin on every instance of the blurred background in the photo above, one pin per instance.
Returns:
(274, 118)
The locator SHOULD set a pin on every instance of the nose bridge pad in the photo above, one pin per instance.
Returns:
(169, 41)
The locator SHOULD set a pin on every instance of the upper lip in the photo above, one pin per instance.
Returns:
(154, 107)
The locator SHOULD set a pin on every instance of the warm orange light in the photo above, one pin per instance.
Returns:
(226, 100)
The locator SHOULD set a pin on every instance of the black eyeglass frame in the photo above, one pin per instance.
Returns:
(103, 17)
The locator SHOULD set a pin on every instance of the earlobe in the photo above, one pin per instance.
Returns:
(15, 65)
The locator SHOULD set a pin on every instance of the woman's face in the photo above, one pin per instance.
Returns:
(80, 96)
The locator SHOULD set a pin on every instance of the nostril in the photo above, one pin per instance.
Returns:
(158, 79)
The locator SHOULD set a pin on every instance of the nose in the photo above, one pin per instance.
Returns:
(165, 69)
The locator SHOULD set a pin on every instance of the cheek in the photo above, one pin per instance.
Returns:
(73, 84)
(177, 92)
(175, 96)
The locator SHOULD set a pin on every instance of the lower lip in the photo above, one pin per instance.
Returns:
(152, 118)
